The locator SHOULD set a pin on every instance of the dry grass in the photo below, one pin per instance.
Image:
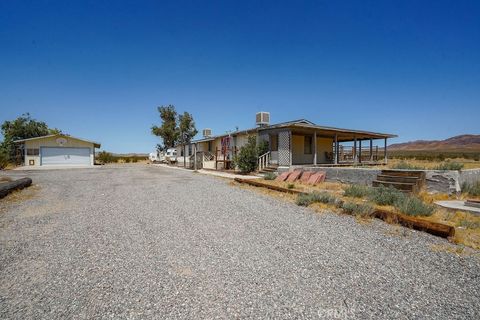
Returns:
(332, 187)
(5, 179)
(20, 195)
(432, 164)
(467, 225)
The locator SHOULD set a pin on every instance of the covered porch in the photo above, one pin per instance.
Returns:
(310, 145)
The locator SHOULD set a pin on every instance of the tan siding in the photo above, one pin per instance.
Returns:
(51, 142)
(323, 145)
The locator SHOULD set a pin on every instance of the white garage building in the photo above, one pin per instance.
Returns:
(58, 150)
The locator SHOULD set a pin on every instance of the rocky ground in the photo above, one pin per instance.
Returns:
(149, 242)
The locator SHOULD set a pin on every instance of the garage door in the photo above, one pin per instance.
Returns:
(64, 156)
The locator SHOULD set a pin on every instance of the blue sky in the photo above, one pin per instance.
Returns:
(99, 69)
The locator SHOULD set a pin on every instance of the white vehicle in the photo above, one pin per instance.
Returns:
(154, 157)
(171, 155)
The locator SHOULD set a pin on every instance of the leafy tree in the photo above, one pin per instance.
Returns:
(175, 129)
(168, 131)
(24, 127)
(186, 131)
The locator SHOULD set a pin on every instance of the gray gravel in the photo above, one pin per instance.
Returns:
(140, 242)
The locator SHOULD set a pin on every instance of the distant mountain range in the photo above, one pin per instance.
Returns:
(130, 154)
(465, 142)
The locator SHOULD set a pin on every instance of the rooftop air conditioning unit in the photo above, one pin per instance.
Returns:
(207, 133)
(262, 119)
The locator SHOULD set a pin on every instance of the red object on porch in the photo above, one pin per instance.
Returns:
(305, 176)
(317, 177)
(294, 175)
(282, 177)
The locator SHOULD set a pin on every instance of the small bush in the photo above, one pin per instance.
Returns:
(357, 191)
(304, 200)
(127, 160)
(414, 207)
(385, 196)
(105, 157)
(247, 157)
(407, 166)
(269, 176)
(134, 159)
(447, 165)
(361, 210)
(472, 189)
(469, 224)
(290, 186)
(322, 197)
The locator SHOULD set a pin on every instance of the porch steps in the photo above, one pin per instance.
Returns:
(404, 180)
(270, 168)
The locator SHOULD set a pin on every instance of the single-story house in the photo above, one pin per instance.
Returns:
(58, 150)
(292, 143)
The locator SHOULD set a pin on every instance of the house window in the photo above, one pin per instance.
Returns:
(209, 146)
(307, 145)
(181, 152)
(33, 152)
(190, 150)
(274, 142)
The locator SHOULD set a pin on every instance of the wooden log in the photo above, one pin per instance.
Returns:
(7, 187)
(255, 183)
(435, 228)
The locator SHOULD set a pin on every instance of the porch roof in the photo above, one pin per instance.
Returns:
(342, 134)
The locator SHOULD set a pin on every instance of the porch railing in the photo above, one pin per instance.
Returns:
(264, 160)
(348, 154)
(208, 156)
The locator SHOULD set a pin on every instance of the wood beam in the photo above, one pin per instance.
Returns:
(360, 151)
(315, 148)
(371, 149)
(385, 156)
(355, 159)
(336, 149)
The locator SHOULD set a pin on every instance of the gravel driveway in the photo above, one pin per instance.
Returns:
(142, 242)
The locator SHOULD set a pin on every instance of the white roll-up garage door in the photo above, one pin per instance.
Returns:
(51, 156)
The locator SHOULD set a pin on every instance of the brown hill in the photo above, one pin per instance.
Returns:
(466, 142)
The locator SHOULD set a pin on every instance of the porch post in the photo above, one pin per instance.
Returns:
(360, 150)
(315, 148)
(195, 157)
(355, 159)
(371, 149)
(385, 157)
(336, 149)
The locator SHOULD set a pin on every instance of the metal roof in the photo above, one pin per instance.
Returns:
(96, 144)
(302, 123)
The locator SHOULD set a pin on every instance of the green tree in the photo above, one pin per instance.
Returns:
(168, 130)
(24, 127)
(186, 132)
